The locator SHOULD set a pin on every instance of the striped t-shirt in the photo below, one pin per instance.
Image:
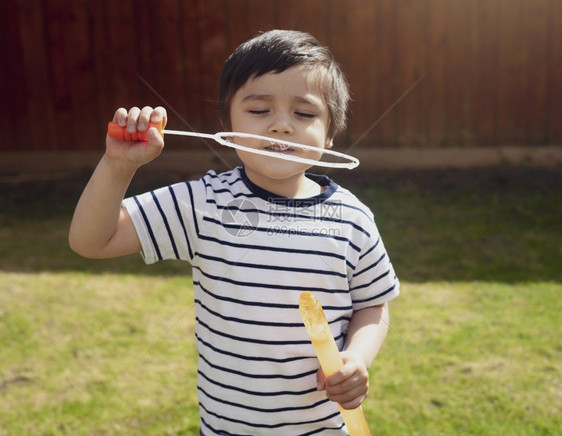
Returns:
(253, 253)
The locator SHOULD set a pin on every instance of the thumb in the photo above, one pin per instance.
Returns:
(320, 380)
(155, 140)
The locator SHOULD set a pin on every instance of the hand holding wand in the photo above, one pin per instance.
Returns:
(329, 356)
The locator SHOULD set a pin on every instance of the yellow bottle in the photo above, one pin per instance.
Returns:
(329, 356)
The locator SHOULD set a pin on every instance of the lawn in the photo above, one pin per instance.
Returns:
(106, 347)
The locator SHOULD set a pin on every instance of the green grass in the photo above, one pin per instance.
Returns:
(106, 347)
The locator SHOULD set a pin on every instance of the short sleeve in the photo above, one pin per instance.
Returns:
(165, 221)
(373, 281)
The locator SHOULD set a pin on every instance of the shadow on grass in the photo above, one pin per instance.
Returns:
(499, 224)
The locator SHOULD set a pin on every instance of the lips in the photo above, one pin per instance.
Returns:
(277, 148)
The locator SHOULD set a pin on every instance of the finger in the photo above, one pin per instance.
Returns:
(353, 385)
(132, 118)
(158, 114)
(347, 371)
(353, 403)
(120, 116)
(351, 369)
(352, 394)
(320, 380)
(356, 380)
(144, 118)
(155, 139)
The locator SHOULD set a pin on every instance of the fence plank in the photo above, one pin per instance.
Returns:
(40, 114)
(411, 38)
(513, 64)
(214, 50)
(435, 73)
(190, 40)
(386, 55)
(105, 105)
(535, 113)
(555, 73)
(168, 64)
(494, 67)
(483, 99)
(84, 118)
(14, 118)
(458, 74)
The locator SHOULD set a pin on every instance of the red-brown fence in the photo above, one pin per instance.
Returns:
(491, 69)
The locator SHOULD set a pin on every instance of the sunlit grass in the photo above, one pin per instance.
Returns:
(114, 354)
(107, 348)
(471, 358)
(106, 354)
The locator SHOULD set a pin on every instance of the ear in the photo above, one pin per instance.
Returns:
(225, 124)
(329, 143)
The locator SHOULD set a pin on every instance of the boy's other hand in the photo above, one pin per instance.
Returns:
(133, 153)
(349, 386)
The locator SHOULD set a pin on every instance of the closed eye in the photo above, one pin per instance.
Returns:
(305, 115)
(258, 112)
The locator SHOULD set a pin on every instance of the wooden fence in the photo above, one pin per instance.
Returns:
(491, 69)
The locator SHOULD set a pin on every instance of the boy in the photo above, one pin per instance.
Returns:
(257, 372)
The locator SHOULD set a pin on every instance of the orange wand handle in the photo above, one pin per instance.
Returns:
(329, 356)
(114, 130)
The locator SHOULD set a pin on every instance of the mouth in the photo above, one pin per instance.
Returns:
(279, 148)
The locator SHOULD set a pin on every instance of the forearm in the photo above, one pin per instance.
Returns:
(98, 212)
(367, 331)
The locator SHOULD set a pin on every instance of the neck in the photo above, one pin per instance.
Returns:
(297, 186)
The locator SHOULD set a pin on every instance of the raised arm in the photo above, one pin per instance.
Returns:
(100, 227)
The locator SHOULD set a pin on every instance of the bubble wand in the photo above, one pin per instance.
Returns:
(329, 356)
(278, 148)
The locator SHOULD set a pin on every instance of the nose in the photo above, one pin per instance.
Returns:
(281, 123)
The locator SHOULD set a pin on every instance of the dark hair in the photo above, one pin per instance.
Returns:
(275, 51)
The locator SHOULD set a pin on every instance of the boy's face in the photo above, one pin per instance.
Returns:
(287, 106)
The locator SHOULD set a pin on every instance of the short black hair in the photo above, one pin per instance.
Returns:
(275, 51)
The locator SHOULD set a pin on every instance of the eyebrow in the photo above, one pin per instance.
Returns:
(259, 97)
(268, 97)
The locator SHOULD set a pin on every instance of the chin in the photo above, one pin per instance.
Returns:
(270, 167)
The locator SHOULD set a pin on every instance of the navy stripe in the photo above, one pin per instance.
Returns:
(166, 224)
(271, 248)
(358, 209)
(274, 249)
(370, 249)
(243, 302)
(248, 321)
(258, 376)
(254, 341)
(193, 210)
(257, 393)
(250, 358)
(270, 285)
(260, 323)
(371, 266)
(280, 232)
(222, 178)
(264, 304)
(149, 228)
(252, 424)
(366, 300)
(226, 191)
(284, 217)
(180, 218)
(376, 279)
(260, 409)
(322, 429)
(271, 267)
